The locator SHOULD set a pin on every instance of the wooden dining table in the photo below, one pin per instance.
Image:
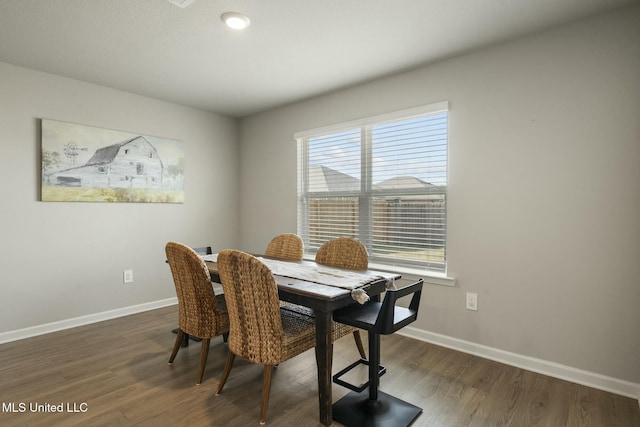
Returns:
(323, 299)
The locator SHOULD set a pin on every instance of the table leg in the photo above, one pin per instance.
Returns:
(324, 360)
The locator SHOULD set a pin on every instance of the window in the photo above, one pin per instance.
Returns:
(381, 180)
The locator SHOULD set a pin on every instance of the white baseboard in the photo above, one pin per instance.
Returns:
(556, 370)
(83, 320)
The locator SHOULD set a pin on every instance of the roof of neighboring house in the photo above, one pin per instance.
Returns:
(322, 178)
(402, 182)
(325, 179)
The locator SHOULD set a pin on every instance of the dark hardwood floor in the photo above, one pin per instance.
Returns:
(115, 373)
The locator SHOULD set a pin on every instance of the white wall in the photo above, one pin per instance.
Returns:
(544, 189)
(59, 261)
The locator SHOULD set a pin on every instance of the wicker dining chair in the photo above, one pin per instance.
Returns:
(201, 313)
(344, 252)
(260, 331)
(202, 250)
(288, 246)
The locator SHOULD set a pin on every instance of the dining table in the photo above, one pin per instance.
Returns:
(324, 299)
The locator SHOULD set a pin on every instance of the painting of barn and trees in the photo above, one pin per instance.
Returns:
(89, 164)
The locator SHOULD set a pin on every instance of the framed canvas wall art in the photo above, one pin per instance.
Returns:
(90, 164)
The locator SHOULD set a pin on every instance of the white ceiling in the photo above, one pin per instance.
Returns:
(294, 49)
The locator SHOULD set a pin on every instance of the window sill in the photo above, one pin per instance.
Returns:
(428, 276)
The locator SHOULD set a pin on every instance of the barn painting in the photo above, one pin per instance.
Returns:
(85, 163)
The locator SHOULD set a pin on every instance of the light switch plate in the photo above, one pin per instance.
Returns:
(127, 276)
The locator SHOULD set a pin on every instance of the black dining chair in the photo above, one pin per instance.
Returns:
(375, 408)
(204, 250)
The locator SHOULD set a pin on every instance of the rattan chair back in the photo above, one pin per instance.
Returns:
(255, 331)
(200, 312)
(288, 246)
(259, 331)
(343, 252)
(348, 253)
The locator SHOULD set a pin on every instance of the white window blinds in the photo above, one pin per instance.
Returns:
(381, 180)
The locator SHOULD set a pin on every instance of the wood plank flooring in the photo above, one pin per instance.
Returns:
(115, 373)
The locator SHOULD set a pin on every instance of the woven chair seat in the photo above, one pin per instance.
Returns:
(221, 304)
(198, 327)
(338, 330)
(299, 333)
(221, 312)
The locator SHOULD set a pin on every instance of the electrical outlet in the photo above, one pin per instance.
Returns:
(127, 276)
(472, 301)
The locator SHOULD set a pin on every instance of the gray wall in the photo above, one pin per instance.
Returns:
(60, 261)
(544, 189)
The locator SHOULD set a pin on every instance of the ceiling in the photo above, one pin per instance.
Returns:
(294, 49)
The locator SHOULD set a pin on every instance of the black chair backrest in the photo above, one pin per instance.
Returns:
(392, 318)
(205, 250)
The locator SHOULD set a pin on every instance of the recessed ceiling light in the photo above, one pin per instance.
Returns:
(236, 21)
